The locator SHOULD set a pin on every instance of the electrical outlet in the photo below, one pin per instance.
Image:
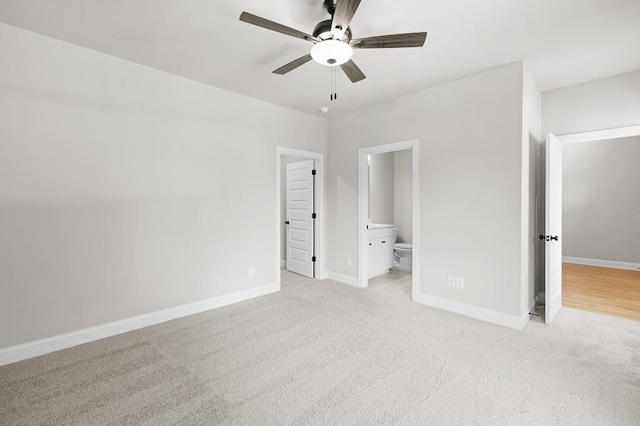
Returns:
(348, 261)
(452, 282)
(460, 283)
(252, 272)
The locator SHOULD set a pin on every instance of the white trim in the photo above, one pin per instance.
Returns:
(63, 341)
(494, 317)
(320, 208)
(603, 263)
(344, 279)
(619, 132)
(363, 201)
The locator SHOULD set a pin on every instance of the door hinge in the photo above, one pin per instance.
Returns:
(313, 216)
(287, 222)
(313, 259)
(313, 172)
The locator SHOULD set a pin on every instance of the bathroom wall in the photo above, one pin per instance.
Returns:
(381, 188)
(403, 195)
(601, 206)
(390, 190)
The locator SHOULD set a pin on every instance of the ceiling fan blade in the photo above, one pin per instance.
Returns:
(345, 9)
(352, 71)
(390, 41)
(274, 26)
(293, 65)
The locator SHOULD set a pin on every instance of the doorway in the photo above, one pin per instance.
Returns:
(286, 156)
(365, 230)
(552, 295)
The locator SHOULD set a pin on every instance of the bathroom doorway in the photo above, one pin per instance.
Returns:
(383, 229)
(285, 157)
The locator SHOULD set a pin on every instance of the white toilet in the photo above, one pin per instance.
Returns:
(402, 254)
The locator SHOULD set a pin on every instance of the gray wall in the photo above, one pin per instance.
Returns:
(471, 179)
(601, 200)
(390, 191)
(600, 104)
(402, 195)
(532, 140)
(126, 190)
(381, 173)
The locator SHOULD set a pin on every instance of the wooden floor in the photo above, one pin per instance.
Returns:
(604, 290)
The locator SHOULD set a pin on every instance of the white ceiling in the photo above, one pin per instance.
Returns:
(564, 42)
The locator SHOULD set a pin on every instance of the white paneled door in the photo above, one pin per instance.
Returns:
(300, 221)
(553, 228)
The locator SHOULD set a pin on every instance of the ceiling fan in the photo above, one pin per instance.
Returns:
(333, 41)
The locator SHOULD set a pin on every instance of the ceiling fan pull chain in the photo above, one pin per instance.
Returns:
(331, 84)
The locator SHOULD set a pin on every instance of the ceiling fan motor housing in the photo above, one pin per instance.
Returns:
(323, 32)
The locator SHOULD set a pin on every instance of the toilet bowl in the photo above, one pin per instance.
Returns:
(402, 254)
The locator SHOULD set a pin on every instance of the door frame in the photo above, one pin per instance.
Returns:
(594, 135)
(363, 203)
(320, 195)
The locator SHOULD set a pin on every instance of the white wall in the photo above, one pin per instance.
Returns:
(471, 179)
(600, 104)
(532, 144)
(402, 195)
(381, 187)
(126, 190)
(601, 202)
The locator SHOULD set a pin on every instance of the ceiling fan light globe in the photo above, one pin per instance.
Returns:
(331, 52)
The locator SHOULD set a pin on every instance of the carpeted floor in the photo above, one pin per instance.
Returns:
(327, 353)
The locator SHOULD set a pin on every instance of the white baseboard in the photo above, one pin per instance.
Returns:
(345, 279)
(509, 321)
(78, 337)
(603, 263)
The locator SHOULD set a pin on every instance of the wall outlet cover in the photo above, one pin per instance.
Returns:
(452, 282)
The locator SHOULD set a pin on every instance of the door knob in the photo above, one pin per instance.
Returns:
(554, 237)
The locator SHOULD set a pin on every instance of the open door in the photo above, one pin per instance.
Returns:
(300, 218)
(553, 228)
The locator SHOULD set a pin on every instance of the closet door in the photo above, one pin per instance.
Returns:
(300, 229)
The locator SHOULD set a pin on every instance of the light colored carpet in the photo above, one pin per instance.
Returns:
(327, 353)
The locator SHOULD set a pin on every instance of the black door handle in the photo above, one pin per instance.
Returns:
(548, 237)
(554, 237)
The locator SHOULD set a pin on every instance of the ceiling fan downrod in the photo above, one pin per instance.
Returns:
(330, 6)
